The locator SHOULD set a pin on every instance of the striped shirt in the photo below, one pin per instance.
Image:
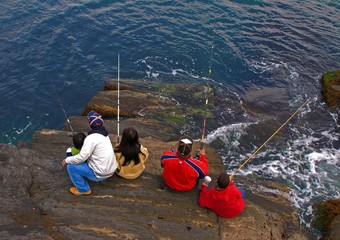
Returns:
(182, 173)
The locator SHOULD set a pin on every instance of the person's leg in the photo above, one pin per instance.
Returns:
(243, 191)
(78, 173)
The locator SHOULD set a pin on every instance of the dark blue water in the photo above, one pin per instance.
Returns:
(270, 52)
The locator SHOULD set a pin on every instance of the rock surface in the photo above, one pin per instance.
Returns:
(327, 218)
(37, 204)
(330, 81)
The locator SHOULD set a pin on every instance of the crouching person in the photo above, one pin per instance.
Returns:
(96, 160)
(224, 199)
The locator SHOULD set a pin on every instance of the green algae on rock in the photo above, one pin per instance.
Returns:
(331, 87)
(174, 107)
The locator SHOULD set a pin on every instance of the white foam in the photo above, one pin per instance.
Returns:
(155, 75)
(20, 131)
(311, 172)
(329, 135)
(236, 130)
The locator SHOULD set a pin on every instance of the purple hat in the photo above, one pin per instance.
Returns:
(95, 119)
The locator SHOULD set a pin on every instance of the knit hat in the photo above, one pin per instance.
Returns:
(184, 146)
(95, 119)
(223, 180)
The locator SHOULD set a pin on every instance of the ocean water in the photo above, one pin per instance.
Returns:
(268, 53)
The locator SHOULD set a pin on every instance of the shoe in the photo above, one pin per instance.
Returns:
(75, 191)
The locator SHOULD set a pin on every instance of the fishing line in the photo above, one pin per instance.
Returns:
(118, 122)
(67, 119)
(62, 107)
(207, 90)
(258, 149)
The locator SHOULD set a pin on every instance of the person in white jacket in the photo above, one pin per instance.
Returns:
(96, 160)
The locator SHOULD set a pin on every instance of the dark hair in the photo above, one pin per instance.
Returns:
(223, 180)
(78, 140)
(129, 146)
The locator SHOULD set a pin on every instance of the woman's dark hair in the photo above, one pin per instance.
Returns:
(129, 146)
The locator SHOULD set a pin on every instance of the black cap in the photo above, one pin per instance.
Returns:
(184, 146)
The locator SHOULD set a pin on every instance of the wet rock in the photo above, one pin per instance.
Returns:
(330, 81)
(327, 218)
(169, 108)
(37, 203)
(335, 228)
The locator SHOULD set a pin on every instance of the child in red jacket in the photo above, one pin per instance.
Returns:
(224, 199)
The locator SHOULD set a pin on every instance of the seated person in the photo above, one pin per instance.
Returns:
(78, 141)
(96, 160)
(180, 170)
(131, 155)
(224, 199)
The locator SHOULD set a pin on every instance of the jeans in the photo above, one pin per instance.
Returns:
(243, 191)
(79, 173)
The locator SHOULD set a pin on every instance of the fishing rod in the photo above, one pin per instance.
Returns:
(207, 90)
(67, 119)
(258, 149)
(62, 107)
(118, 122)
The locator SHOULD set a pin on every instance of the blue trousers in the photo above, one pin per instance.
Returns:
(80, 173)
(244, 195)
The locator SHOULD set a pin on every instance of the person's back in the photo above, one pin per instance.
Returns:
(96, 160)
(180, 170)
(131, 155)
(224, 199)
(98, 151)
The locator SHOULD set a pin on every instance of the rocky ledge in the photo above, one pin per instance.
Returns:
(330, 81)
(36, 202)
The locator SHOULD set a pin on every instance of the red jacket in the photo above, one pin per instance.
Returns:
(227, 203)
(182, 173)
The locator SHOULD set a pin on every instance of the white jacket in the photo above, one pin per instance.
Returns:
(97, 150)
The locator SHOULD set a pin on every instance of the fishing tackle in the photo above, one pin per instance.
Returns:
(67, 119)
(62, 107)
(118, 100)
(258, 149)
(207, 92)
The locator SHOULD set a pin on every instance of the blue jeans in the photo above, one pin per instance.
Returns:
(78, 174)
(244, 195)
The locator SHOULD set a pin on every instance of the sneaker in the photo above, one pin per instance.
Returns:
(75, 191)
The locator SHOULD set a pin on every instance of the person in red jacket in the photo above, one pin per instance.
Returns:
(181, 171)
(224, 199)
